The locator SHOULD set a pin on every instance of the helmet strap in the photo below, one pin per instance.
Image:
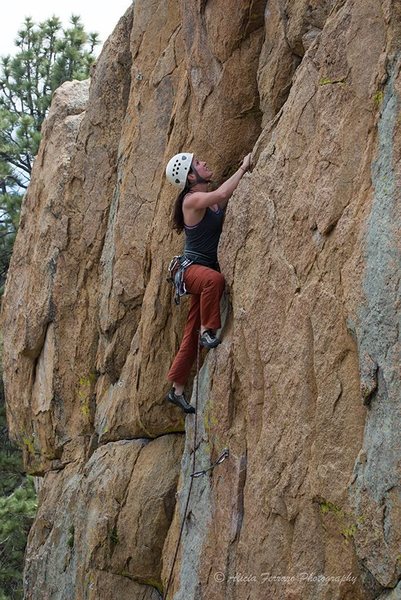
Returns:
(199, 179)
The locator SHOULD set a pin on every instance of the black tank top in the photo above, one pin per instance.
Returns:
(201, 240)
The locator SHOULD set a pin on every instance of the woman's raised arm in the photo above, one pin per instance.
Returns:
(200, 200)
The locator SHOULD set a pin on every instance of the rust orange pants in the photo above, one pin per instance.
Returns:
(206, 287)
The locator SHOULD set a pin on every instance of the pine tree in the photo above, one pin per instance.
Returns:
(17, 509)
(47, 56)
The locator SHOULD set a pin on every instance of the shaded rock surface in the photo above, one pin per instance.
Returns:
(304, 390)
(108, 516)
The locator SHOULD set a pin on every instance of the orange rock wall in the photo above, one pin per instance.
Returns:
(304, 389)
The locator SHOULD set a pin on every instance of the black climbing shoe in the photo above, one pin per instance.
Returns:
(209, 340)
(179, 401)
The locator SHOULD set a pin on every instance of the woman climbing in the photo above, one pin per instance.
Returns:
(200, 214)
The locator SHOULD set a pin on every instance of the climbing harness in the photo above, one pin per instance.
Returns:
(176, 270)
(199, 258)
(194, 473)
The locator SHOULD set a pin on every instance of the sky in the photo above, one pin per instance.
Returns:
(97, 16)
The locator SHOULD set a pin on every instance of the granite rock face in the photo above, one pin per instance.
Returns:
(108, 517)
(304, 390)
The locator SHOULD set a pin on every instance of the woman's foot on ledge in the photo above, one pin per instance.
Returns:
(180, 400)
(209, 340)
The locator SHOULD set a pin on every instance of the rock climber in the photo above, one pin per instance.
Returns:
(199, 213)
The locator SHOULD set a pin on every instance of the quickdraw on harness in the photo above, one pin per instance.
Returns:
(176, 270)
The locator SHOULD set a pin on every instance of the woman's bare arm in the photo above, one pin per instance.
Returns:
(201, 200)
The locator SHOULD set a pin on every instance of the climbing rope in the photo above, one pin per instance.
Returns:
(194, 473)
(193, 469)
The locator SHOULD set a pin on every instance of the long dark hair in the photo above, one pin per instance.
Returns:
(178, 215)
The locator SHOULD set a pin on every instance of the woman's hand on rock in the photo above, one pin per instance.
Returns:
(246, 163)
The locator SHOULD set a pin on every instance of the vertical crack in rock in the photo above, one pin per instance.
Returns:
(291, 28)
(237, 521)
(376, 489)
(200, 511)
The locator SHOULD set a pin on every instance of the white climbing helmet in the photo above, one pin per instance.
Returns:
(178, 168)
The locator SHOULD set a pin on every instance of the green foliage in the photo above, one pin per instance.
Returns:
(16, 515)
(326, 507)
(114, 536)
(71, 536)
(11, 473)
(378, 98)
(348, 523)
(17, 509)
(29, 444)
(325, 81)
(329, 81)
(85, 391)
(349, 532)
(47, 56)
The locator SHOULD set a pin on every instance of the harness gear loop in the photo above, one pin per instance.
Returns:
(176, 270)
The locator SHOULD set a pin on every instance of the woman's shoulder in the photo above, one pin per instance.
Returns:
(192, 216)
